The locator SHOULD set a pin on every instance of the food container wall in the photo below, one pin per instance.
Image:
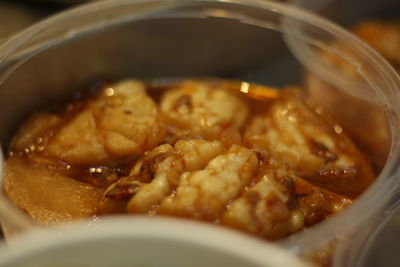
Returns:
(372, 244)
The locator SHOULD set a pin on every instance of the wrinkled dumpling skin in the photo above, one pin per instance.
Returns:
(203, 194)
(46, 195)
(318, 151)
(158, 172)
(281, 203)
(122, 122)
(197, 109)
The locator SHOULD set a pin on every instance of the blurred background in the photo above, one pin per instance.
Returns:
(15, 15)
(18, 14)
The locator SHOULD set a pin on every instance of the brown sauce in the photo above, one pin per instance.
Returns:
(284, 167)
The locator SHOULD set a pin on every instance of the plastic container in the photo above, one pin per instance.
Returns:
(240, 39)
(376, 243)
(144, 242)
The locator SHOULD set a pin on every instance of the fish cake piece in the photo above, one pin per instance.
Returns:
(122, 122)
(317, 149)
(203, 194)
(155, 175)
(280, 204)
(202, 109)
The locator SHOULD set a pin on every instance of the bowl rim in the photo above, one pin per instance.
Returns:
(385, 183)
(191, 233)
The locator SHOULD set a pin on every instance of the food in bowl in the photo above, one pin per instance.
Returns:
(360, 111)
(246, 156)
(382, 35)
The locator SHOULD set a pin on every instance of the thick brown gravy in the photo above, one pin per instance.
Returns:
(242, 155)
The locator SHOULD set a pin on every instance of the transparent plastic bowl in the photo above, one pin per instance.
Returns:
(240, 39)
(376, 243)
